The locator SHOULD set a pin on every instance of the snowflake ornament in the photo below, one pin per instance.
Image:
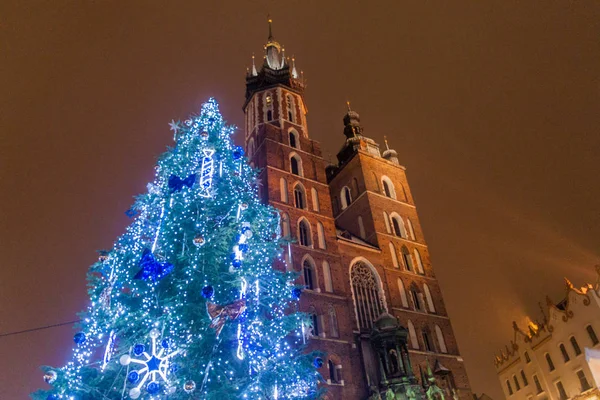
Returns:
(155, 365)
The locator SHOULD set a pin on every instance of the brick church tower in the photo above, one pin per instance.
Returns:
(376, 307)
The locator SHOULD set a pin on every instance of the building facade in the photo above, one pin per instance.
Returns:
(376, 306)
(554, 358)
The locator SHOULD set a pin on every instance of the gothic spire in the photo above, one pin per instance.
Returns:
(273, 50)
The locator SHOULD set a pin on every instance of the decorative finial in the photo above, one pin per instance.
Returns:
(348, 104)
(294, 72)
(254, 72)
(270, 27)
(386, 143)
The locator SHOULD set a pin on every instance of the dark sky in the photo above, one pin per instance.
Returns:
(494, 107)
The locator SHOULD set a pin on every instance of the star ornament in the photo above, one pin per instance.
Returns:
(174, 126)
(155, 365)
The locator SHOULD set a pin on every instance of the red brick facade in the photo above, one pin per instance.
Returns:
(293, 173)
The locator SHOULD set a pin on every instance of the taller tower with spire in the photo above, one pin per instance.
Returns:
(356, 241)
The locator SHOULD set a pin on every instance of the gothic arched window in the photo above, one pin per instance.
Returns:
(440, 338)
(304, 235)
(398, 224)
(367, 295)
(419, 262)
(296, 165)
(414, 342)
(402, 290)
(346, 197)
(299, 196)
(290, 108)
(315, 199)
(327, 276)
(269, 106)
(308, 271)
(429, 298)
(293, 139)
(388, 187)
(321, 235)
(285, 225)
(407, 259)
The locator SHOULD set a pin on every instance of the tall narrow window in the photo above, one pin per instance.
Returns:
(269, 107)
(575, 345)
(416, 299)
(321, 235)
(296, 165)
(419, 262)
(402, 290)
(411, 231)
(293, 139)
(333, 323)
(414, 342)
(407, 259)
(361, 228)
(285, 225)
(538, 385)
(509, 388)
(550, 363)
(309, 275)
(562, 395)
(290, 107)
(304, 233)
(427, 341)
(314, 319)
(394, 256)
(527, 359)
(334, 375)
(516, 381)
(327, 277)
(592, 334)
(346, 197)
(524, 378)
(429, 298)
(583, 382)
(564, 353)
(315, 199)
(398, 224)
(250, 148)
(367, 295)
(299, 196)
(388, 187)
(386, 220)
(283, 189)
(441, 341)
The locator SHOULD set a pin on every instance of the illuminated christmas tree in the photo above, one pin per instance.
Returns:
(187, 304)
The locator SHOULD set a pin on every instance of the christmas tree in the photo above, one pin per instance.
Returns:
(187, 304)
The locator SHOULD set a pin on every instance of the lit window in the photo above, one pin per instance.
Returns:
(346, 197)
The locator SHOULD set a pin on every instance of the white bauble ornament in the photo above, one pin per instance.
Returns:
(125, 359)
(135, 393)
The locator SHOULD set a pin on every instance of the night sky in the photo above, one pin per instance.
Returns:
(493, 106)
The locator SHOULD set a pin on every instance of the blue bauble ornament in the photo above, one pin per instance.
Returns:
(318, 363)
(52, 397)
(133, 377)
(238, 153)
(153, 387)
(207, 292)
(139, 349)
(296, 292)
(79, 337)
(236, 263)
(243, 247)
(173, 368)
(165, 343)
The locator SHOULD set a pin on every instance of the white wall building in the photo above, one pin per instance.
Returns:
(547, 360)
